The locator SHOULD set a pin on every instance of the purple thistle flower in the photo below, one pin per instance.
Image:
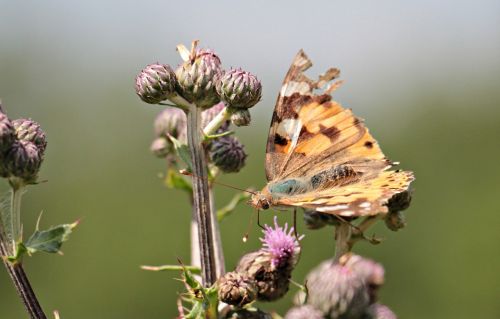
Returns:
(281, 244)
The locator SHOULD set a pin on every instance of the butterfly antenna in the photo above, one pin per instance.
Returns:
(188, 173)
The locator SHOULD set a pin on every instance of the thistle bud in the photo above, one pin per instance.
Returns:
(23, 161)
(228, 154)
(304, 312)
(317, 220)
(251, 313)
(337, 291)
(370, 271)
(399, 202)
(395, 220)
(236, 289)
(241, 117)
(7, 133)
(30, 131)
(239, 89)
(378, 311)
(155, 83)
(171, 121)
(197, 78)
(160, 147)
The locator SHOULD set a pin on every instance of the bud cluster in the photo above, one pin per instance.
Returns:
(344, 289)
(22, 148)
(266, 272)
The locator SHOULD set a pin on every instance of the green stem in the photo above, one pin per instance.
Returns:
(16, 193)
(201, 196)
(216, 122)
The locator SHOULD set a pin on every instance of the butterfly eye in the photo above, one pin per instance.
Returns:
(265, 205)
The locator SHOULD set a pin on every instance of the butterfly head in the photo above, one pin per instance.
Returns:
(260, 201)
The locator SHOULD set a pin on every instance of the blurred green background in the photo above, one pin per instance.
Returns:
(425, 75)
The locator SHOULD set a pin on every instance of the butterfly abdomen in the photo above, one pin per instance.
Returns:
(338, 175)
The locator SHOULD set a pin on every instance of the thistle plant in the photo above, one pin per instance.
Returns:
(22, 149)
(193, 135)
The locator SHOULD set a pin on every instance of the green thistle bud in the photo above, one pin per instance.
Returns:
(23, 161)
(171, 121)
(30, 131)
(160, 147)
(236, 289)
(337, 290)
(304, 312)
(7, 133)
(239, 89)
(197, 77)
(228, 154)
(241, 117)
(272, 283)
(155, 83)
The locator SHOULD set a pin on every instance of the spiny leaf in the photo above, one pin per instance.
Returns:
(49, 240)
(192, 269)
(182, 150)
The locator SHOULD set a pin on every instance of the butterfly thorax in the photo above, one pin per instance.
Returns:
(285, 188)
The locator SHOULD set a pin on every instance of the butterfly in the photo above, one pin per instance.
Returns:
(320, 156)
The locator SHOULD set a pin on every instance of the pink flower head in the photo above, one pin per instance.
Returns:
(281, 244)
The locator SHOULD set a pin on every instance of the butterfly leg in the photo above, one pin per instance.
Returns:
(258, 219)
(295, 223)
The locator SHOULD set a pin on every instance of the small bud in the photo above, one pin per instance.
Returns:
(395, 220)
(23, 161)
(197, 78)
(171, 121)
(317, 220)
(251, 313)
(400, 201)
(160, 147)
(272, 283)
(378, 311)
(155, 83)
(239, 89)
(236, 289)
(337, 291)
(30, 131)
(304, 312)
(7, 133)
(228, 154)
(241, 117)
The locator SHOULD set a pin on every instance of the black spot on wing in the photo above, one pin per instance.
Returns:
(331, 132)
(280, 140)
(368, 144)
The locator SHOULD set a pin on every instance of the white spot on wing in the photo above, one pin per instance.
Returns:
(365, 205)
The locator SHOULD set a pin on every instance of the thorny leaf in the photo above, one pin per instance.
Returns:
(182, 150)
(49, 240)
(175, 180)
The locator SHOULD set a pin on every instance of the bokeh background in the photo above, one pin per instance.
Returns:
(424, 74)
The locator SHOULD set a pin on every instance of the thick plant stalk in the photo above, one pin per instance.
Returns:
(22, 285)
(201, 196)
(220, 268)
(342, 240)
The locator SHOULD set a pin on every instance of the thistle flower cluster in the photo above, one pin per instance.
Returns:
(266, 271)
(345, 289)
(22, 149)
(200, 79)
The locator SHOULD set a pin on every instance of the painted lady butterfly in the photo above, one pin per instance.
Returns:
(320, 156)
